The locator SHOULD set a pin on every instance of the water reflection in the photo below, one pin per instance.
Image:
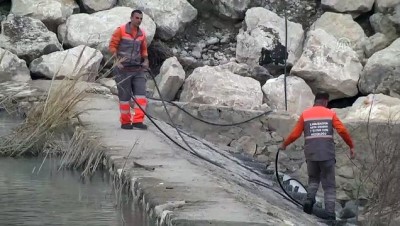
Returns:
(29, 196)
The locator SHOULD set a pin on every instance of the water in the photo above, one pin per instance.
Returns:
(52, 197)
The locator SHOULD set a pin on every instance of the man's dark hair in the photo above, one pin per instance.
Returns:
(136, 11)
(322, 96)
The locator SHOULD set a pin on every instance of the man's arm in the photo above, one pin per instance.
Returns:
(342, 131)
(143, 52)
(114, 42)
(295, 134)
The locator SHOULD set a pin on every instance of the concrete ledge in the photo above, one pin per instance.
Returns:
(178, 188)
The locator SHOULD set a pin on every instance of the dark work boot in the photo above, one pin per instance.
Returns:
(331, 216)
(126, 126)
(308, 205)
(139, 125)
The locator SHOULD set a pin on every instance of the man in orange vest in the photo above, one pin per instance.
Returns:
(317, 123)
(128, 44)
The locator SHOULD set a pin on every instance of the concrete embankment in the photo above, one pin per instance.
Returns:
(178, 188)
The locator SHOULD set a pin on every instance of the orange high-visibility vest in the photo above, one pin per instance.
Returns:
(129, 46)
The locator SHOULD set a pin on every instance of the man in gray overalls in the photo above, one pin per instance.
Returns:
(317, 123)
(128, 44)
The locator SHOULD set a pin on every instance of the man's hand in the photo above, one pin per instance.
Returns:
(146, 63)
(119, 65)
(283, 146)
(118, 62)
(352, 153)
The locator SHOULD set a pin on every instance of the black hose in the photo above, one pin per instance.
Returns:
(279, 181)
(192, 151)
(212, 123)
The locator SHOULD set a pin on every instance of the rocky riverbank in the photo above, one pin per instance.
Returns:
(206, 56)
(173, 184)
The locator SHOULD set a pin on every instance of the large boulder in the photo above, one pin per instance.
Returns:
(264, 29)
(92, 6)
(221, 87)
(375, 43)
(170, 79)
(95, 30)
(345, 6)
(299, 94)
(325, 67)
(171, 17)
(381, 73)
(259, 73)
(344, 29)
(27, 37)
(233, 9)
(82, 62)
(12, 68)
(387, 23)
(51, 12)
(374, 108)
(384, 6)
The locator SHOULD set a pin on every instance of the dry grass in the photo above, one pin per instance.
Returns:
(44, 120)
(382, 177)
(48, 127)
(82, 152)
(378, 172)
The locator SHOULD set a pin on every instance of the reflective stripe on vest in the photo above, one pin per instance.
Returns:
(318, 134)
(129, 46)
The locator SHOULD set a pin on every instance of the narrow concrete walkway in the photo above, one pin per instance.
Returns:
(184, 189)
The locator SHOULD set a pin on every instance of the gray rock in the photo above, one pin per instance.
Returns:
(382, 23)
(328, 67)
(80, 62)
(189, 62)
(385, 5)
(264, 29)
(236, 68)
(220, 87)
(196, 54)
(346, 172)
(12, 68)
(384, 109)
(110, 84)
(170, 79)
(232, 8)
(299, 94)
(51, 12)
(276, 137)
(225, 40)
(344, 6)
(345, 30)
(171, 17)
(27, 37)
(380, 74)
(218, 139)
(212, 41)
(349, 211)
(261, 74)
(245, 144)
(92, 6)
(263, 158)
(375, 43)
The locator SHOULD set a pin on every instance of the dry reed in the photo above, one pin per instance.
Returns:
(379, 170)
(47, 122)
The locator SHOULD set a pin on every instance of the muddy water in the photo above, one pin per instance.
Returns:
(29, 196)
